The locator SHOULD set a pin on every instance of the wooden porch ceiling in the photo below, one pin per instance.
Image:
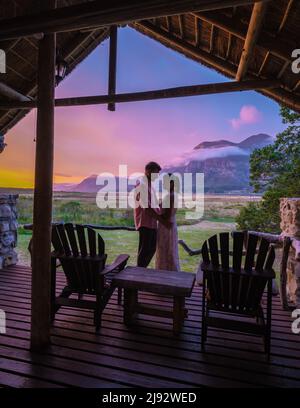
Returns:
(204, 31)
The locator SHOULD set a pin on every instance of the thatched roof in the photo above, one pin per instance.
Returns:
(214, 38)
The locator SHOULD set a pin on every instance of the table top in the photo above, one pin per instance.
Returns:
(156, 281)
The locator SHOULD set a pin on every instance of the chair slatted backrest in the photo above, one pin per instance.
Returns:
(81, 252)
(236, 279)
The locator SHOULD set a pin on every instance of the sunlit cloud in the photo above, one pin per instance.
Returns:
(249, 114)
(205, 154)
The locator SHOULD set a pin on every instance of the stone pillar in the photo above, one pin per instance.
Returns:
(8, 229)
(290, 226)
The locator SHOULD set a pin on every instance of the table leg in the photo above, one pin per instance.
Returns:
(130, 302)
(178, 313)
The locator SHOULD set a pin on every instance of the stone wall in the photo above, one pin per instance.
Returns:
(290, 226)
(8, 230)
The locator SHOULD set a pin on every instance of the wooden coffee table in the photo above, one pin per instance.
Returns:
(179, 285)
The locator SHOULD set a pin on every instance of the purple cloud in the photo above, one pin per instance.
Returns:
(249, 114)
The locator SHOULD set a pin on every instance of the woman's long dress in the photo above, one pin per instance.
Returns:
(167, 256)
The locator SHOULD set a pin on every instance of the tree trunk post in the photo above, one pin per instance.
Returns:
(42, 211)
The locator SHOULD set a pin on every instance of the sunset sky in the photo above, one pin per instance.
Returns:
(91, 140)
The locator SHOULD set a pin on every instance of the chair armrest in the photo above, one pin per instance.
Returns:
(119, 263)
(190, 251)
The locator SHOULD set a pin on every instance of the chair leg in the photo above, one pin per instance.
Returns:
(98, 313)
(97, 318)
(268, 321)
(203, 328)
(119, 296)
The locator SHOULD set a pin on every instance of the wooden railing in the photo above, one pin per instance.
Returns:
(94, 226)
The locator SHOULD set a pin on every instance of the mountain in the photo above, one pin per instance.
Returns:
(225, 164)
(214, 145)
(88, 185)
(251, 143)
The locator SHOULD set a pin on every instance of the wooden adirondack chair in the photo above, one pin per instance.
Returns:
(235, 290)
(81, 254)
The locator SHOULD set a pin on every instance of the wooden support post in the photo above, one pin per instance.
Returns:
(42, 212)
(255, 25)
(113, 47)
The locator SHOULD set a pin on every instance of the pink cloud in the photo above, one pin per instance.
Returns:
(249, 114)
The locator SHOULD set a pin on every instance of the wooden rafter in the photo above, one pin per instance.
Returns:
(286, 15)
(12, 51)
(180, 23)
(212, 37)
(197, 32)
(97, 14)
(69, 50)
(296, 86)
(228, 46)
(234, 27)
(282, 71)
(225, 67)
(168, 23)
(282, 24)
(254, 29)
(184, 91)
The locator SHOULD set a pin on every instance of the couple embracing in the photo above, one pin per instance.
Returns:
(156, 222)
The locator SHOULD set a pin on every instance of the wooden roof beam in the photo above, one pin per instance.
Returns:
(254, 29)
(10, 93)
(183, 91)
(106, 12)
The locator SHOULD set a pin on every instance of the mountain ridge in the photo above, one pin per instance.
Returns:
(225, 165)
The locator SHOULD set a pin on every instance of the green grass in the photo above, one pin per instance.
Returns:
(126, 242)
(81, 208)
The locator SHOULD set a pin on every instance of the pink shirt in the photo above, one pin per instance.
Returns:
(142, 217)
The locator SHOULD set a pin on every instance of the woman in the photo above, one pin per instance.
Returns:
(167, 257)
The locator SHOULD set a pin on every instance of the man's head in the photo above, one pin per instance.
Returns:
(152, 168)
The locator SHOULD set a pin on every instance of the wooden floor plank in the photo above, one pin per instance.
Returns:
(145, 355)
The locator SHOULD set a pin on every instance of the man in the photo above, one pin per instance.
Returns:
(146, 215)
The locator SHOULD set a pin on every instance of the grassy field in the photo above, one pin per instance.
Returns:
(219, 215)
(126, 242)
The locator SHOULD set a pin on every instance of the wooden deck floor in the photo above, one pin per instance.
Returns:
(146, 356)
